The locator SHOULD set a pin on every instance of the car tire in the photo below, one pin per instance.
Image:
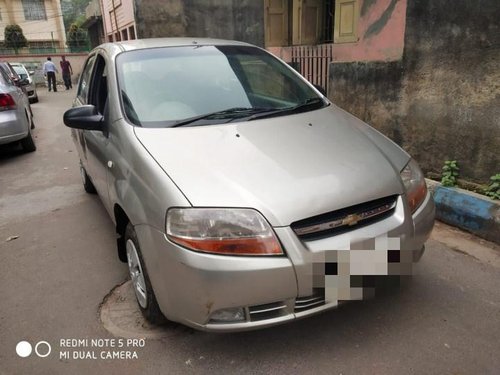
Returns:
(28, 143)
(141, 283)
(87, 183)
(34, 100)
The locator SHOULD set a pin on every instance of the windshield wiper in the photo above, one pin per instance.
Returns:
(252, 113)
(308, 104)
(230, 113)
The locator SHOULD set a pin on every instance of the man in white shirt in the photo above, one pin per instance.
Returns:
(50, 70)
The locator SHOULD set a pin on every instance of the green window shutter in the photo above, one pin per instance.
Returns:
(276, 22)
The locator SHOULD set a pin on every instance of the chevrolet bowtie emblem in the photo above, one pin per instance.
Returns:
(351, 219)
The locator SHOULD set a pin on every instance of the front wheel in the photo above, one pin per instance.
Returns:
(140, 279)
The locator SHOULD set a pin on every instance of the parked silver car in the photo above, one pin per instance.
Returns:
(16, 119)
(30, 86)
(242, 197)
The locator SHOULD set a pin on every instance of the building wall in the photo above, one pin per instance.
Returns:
(36, 62)
(227, 19)
(11, 12)
(124, 19)
(441, 101)
(160, 18)
(380, 29)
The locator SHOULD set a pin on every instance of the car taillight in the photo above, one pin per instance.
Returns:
(6, 102)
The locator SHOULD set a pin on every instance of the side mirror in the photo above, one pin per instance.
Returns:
(24, 82)
(84, 117)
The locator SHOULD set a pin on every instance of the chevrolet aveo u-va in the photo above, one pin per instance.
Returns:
(242, 197)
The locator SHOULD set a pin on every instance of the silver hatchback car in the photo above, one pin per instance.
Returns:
(242, 197)
(16, 118)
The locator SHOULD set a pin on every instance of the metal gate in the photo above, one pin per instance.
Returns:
(313, 62)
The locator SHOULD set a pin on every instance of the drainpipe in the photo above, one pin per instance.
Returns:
(116, 22)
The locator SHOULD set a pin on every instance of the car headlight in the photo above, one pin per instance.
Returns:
(414, 182)
(222, 231)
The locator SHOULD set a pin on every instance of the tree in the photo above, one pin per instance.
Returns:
(14, 37)
(77, 38)
(73, 12)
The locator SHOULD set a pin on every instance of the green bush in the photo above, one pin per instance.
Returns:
(450, 173)
(493, 190)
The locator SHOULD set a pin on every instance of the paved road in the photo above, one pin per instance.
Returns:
(56, 274)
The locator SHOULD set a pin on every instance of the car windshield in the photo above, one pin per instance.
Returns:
(21, 72)
(201, 85)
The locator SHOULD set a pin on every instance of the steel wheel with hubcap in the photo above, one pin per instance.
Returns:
(140, 279)
(136, 274)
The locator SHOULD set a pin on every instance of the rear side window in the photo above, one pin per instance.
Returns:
(84, 87)
(5, 78)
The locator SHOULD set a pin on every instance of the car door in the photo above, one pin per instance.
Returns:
(97, 141)
(82, 99)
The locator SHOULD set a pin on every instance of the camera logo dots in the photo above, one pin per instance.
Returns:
(24, 349)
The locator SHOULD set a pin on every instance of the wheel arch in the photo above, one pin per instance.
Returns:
(121, 220)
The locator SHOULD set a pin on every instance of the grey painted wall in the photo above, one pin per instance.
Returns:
(442, 101)
(226, 19)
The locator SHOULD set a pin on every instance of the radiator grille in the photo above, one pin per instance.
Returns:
(267, 311)
(310, 302)
(345, 219)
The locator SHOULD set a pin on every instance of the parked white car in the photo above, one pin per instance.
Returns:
(25, 74)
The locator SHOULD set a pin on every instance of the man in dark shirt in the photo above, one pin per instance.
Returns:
(66, 71)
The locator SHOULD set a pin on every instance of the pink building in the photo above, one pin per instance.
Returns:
(118, 19)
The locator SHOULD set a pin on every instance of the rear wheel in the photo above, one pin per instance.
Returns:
(28, 143)
(140, 279)
(87, 183)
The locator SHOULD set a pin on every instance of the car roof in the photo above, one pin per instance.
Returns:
(138, 44)
(9, 69)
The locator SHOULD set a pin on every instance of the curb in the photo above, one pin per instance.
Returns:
(467, 210)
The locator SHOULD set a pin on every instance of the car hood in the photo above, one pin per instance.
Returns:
(288, 168)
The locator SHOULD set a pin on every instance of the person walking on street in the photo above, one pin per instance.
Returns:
(50, 70)
(66, 71)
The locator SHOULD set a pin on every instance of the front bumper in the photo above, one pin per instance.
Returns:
(191, 286)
